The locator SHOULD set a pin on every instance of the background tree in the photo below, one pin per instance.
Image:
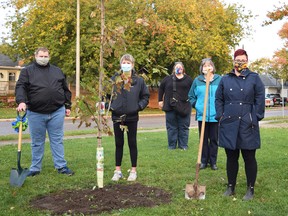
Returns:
(281, 56)
(265, 66)
(156, 32)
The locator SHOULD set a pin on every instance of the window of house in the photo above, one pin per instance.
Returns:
(11, 76)
(12, 82)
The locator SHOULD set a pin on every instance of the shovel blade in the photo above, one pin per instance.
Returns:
(195, 191)
(17, 177)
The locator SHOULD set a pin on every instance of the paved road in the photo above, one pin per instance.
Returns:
(149, 121)
(145, 122)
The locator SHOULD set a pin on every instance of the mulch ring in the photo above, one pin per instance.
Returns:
(111, 197)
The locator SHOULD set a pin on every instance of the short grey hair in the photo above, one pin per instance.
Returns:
(203, 61)
(127, 57)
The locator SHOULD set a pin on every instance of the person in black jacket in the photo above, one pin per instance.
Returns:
(131, 95)
(177, 125)
(43, 91)
(240, 105)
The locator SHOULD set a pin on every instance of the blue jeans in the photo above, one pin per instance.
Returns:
(177, 130)
(53, 123)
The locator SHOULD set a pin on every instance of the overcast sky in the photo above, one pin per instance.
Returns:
(2, 20)
(264, 40)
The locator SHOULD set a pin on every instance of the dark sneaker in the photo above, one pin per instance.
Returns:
(203, 166)
(214, 167)
(230, 191)
(249, 194)
(66, 171)
(33, 173)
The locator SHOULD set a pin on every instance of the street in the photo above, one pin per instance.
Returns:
(145, 122)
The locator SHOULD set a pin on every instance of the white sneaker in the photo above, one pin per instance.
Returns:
(117, 175)
(132, 176)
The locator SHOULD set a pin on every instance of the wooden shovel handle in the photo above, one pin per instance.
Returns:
(203, 118)
(20, 137)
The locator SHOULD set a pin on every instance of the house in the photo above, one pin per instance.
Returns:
(9, 74)
(274, 86)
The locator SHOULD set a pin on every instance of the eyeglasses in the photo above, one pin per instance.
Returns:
(240, 60)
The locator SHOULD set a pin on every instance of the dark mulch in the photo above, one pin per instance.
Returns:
(112, 197)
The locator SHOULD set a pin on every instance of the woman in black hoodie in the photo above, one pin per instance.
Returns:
(177, 124)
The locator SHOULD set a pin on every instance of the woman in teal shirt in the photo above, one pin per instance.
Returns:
(196, 96)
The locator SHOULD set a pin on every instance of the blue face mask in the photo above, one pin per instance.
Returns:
(178, 70)
(126, 67)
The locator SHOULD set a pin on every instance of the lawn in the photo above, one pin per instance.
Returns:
(7, 113)
(169, 170)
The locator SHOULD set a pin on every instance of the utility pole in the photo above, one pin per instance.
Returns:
(78, 50)
(283, 101)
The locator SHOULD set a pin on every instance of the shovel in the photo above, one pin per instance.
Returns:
(18, 175)
(195, 191)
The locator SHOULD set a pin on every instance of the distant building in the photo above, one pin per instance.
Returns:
(273, 85)
(9, 74)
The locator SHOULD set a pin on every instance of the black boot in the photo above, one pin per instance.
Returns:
(249, 193)
(230, 190)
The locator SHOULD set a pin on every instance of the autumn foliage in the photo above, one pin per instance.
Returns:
(280, 60)
(156, 33)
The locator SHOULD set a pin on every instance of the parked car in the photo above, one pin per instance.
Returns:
(277, 99)
(269, 102)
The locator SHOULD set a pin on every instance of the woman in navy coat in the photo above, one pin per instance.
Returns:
(240, 105)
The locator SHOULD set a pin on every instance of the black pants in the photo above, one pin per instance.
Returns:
(210, 142)
(132, 142)
(232, 165)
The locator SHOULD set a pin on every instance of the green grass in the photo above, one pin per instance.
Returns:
(169, 170)
(7, 113)
(277, 119)
(66, 133)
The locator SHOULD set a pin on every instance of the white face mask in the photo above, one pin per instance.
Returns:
(43, 61)
(126, 67)
(206, 69)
